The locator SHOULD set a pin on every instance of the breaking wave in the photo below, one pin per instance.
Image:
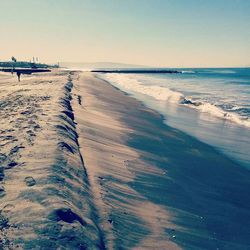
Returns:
(130, 84)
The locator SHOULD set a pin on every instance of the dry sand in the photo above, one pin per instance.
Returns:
(45, 198)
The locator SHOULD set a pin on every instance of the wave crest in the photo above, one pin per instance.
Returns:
(159, 93)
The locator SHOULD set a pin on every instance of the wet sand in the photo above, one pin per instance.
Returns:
(156, 187)
(128, 219)
(85, 166)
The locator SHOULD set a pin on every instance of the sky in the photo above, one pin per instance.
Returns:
(162, 33)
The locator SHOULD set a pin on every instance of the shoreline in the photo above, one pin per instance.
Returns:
(205, 122)
(165, 122)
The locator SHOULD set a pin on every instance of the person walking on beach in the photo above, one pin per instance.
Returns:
(18, 75)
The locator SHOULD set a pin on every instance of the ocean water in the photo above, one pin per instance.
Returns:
(212, 105)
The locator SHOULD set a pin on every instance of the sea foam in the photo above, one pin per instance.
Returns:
(157, 92)
(160, 93)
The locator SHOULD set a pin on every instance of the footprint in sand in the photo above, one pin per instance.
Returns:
(15, 150)
(30, 181)
(66, 215)
(2, 192)
(11, 165)
(1, 173)
(3, 157)
(7, 208)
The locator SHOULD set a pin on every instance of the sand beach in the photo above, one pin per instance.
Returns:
(85, 166)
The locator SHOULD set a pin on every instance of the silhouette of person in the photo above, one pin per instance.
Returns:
(18, 75)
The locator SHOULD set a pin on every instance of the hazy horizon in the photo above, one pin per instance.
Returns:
(155, 33)
(136, 65)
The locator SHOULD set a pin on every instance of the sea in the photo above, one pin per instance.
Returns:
(210, 104)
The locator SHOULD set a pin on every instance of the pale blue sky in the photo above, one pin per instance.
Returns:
(148, 32)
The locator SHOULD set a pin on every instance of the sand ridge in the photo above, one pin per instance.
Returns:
(45, 197)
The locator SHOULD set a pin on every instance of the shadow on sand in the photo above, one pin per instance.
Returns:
(207, 192)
